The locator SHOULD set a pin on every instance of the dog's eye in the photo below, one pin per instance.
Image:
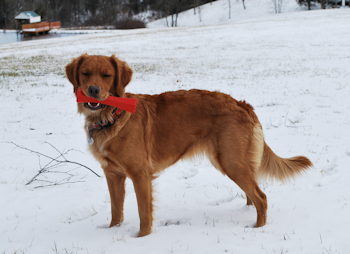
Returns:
(85, 73)
(106, 75)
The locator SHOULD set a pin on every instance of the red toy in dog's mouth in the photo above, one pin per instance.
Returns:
(127, 104)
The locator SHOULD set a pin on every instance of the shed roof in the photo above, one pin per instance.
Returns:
(27, 15)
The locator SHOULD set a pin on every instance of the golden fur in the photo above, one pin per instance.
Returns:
(172, 126)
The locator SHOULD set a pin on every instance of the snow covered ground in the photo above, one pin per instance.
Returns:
(218, 12)
(293, 68)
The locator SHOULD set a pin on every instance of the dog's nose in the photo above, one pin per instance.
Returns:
(94, 90)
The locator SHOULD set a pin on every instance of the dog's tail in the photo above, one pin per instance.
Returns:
(275, 167)
(272, 166)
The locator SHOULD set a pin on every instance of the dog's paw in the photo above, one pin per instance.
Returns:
(144, 233)
(115, 224)
(104, 121)
(106, 117)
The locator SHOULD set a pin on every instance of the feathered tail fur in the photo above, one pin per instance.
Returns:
(275, 167)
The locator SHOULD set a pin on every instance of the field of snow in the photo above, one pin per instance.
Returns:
(218, 12)
(293, 68)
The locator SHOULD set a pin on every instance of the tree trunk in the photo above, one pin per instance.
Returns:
(279, 6)
(176, 19)
(275, 4)
(199, 12)
(229, 9)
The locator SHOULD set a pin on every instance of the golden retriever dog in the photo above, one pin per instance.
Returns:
(166, 128)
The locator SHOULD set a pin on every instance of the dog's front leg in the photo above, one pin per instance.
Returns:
(143, 189)
(116, 187)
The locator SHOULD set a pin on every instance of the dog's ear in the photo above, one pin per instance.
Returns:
(123, 75)
(72, 71)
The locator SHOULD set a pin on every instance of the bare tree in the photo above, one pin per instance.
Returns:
(199, 13)
(197, 4)
(229, 9)
(174, 19)
(172, 9)
(278, 5)
(309, 4)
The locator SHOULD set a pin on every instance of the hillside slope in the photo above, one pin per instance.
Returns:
(217, 12)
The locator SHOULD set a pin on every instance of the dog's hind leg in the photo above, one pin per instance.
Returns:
(214, 159)
(243, 176)
(246, 181)
(232, 155)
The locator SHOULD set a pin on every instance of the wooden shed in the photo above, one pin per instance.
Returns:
(30, 23)
(28, 17)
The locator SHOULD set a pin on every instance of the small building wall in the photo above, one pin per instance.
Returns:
(34, 19)
(28, 16)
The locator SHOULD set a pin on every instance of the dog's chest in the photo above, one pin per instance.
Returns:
(97, 146)
(99, 153)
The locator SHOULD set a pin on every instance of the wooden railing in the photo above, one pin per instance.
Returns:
(40, 27)
(55, 25)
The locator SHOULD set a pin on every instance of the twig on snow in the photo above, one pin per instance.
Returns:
(290, 126)
(54, 163)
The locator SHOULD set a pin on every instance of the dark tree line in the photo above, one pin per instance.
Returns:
(324, 3)
(78, 13)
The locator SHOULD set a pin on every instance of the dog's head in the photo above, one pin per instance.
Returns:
(98, 77)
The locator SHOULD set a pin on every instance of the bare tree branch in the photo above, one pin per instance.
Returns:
(55, 184)
(54, 163)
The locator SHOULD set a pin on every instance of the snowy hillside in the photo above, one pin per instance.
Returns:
(218, 12)
(293, 68)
